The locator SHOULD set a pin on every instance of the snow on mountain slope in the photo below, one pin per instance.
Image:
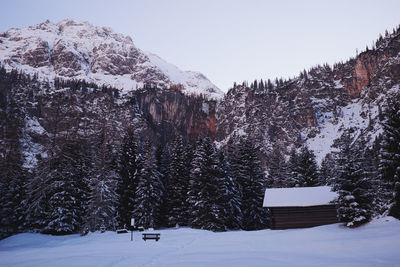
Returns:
(352, 115)
(79, 50)
(362, 115)
(190, 80)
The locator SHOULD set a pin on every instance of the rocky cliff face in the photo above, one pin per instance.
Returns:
(50, 113)
(191, 115)
(48, 116)
(315, 107)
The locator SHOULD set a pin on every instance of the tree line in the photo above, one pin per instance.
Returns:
(83, 186)
(83, 182)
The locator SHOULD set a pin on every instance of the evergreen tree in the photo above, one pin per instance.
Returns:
(177, 186)
(205, 211)
(67, 192)
(370, 170)
(327, 170)
(389, 162)
(103, 197)
(255, 84)
(251, 179)
(307, 169)
(130, 166)
(233, 159)
(188, 158)
(57, 192)
(229, 196)
(12, 172)
(293, 170)
(233, 166)
(149, 191)
(163, 162)
(278, 173)
(261, 85)
(352, 184)
(38, 193)
(12, 195)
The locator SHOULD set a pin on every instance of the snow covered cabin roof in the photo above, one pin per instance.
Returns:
(298, 196)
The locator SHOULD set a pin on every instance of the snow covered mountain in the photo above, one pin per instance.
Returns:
(79, 50)
(316, 107)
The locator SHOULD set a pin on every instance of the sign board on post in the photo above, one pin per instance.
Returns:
(133, 225)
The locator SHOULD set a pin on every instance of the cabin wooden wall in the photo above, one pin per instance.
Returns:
(301, 217)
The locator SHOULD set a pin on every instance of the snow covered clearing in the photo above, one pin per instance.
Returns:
(375, 244)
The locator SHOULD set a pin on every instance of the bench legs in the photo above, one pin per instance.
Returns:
(154, 236)
(156, 239)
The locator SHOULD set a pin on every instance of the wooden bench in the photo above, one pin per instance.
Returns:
(122, 231)
(155, 236)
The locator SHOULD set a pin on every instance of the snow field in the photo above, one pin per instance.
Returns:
(375, 244)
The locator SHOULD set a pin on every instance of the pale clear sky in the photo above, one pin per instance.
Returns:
(227, 40)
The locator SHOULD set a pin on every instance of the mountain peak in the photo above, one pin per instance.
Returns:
(71, 49)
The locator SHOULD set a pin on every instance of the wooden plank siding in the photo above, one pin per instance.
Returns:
(301, 217)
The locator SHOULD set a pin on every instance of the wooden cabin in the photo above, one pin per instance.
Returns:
(300, 207)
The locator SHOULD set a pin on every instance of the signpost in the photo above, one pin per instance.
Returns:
(132, 226)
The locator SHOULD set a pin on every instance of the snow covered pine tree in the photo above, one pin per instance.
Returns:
(251, 179)
(130, 166)
(389, 163)
(206, 211)
(177, 185)
(149, 191)
(352, 184)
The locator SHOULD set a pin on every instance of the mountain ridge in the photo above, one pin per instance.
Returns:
(71, 49)
(316, 107)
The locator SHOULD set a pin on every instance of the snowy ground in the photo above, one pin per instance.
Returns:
(375, 244)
